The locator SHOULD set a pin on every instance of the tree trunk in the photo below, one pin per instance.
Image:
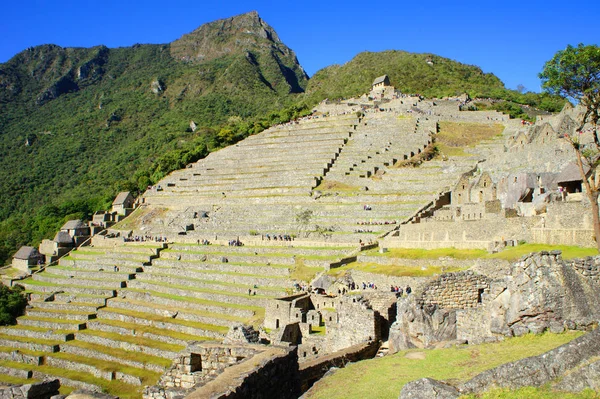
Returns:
(596, 218)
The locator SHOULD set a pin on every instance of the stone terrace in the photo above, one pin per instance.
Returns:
(259, 186)
(113, 315)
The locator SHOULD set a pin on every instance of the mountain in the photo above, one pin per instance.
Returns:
(79, 124)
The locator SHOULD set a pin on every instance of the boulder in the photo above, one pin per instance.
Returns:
(427, 388)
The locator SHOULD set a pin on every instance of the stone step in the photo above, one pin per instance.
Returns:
(53, 324)
(229, 267)
(40, 345)
(60, 314)
(135, 330)
(118, 342)
(181, 314)
(214, 275)
(109, 371)
(194, 293)
(63, 302)
(111, 255)
(109, 354)
(260, 250)
(176, 279)
(14, 355)
(185, 303)
(15, 372)
(160, 322)
(143, 249)
(105, 264)
(43, 373)
(37, 333)
(29, 285)
(90, 274)
(60, 280)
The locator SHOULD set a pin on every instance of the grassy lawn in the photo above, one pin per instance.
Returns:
(453, 137)
(510, 253)
(330, 185)
(531, 392)
(383, 378)
(302, 272)
(415, 253)
(395, 270)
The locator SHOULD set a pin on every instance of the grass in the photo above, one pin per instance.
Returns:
(532, 392)
(304, 273)
(198, 300)
(330, 185)
(509, 253)
(148, 377)
(9, 379)
(123, 354)
(453, 137)
(383, 378)
(394, 270)
(143, 329)
(134, 340)
(568, 252)
(169, 320)
(415, 253)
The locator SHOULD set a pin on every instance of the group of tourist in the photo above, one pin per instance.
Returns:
(235, 243)
(363, 231)
(399, 291)
(367, 207)
(145, 239)
(203, 242)
(376, 223)
(280, 237)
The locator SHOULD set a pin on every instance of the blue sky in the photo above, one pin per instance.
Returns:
(511, 39)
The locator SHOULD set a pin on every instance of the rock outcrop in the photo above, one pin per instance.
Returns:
(570, 360)
(542, 292)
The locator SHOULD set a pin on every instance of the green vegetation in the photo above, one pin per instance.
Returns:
(412, 73)
(453, 137)
(79, 125)
(413, 253)
(394, 270)
(302, 272)
(12, 304)
(384, 377)
(568, 251)
(531, 392)
(329, 185)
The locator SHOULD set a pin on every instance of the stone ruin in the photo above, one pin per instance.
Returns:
(347, 319)
(542, 292)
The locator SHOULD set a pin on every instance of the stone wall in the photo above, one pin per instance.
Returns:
(38, 390)
(221, 371)
(313, 370)
(202, 362)
(459, 290)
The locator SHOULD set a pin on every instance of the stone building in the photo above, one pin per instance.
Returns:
(123, 203)
(26, 258)
(380, 82)
(301, 319)
(77, 230)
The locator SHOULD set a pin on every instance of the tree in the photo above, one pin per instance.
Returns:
(575, 73)
(12, 304)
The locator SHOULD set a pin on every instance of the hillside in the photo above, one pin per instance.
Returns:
(426, 74)
(77, 124)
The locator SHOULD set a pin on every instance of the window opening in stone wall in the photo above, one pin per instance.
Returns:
(277, 323)
(480, 295)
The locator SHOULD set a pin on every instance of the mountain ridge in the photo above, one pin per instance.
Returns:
(77, 125)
